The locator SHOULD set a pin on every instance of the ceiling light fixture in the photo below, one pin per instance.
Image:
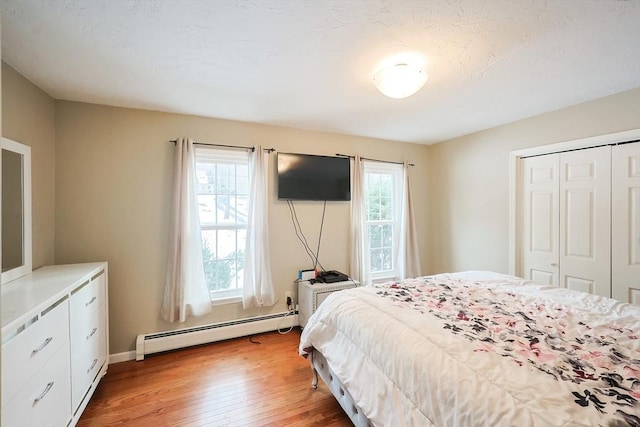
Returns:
(400, 80)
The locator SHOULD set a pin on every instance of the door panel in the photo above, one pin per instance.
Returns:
(585, 218)
(580, 225)
(579, 284)
(542, 277)
(539, 219)
(625, 228)
(542, 221)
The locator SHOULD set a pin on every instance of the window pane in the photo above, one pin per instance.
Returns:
(376, 260)
(242, 209)
(226, 213)
(209, 245)
(242, 173)
(367, 185)
(217, 272)
(373, 209)
(222, 179)
(387, 236)
(223, 259)
(242, 241)
(226, 243)
(240, 274)
(205, 176)
(233, 170)
(237, 256)
(221, 275)
(386, 181)
(386, 255)
(206, 208)
(239, 268)
(372, 186)
(386, 209)
(234, 273)
(375, 236)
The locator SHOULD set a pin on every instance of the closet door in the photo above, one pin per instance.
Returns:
(625, 228)
(539, 219)
(585, 220)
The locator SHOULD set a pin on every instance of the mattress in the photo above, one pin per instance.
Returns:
(481, 348)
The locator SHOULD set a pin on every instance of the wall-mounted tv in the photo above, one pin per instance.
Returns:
(309, 177)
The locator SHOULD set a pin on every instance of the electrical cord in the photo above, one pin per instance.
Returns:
(324, 208)
(290, 312)
(300, 235)
(302, 239)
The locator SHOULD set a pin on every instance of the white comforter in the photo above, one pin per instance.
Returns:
(481, 349)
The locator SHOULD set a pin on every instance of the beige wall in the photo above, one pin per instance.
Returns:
(113, 173)
(112, 170)
(28, 117)
(470, 176)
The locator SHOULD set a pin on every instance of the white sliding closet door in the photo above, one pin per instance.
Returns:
(540, 213)
(625, 228)
(585, 220)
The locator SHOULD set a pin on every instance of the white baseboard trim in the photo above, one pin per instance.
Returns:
(122, 357)
(250, 328)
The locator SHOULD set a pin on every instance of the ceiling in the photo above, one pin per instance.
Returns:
(309, 64)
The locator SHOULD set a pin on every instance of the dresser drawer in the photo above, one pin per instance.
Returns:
(89, 354)
(32, 348)
(84, 308)
(44, 400)
(85, 327)
(88, 297)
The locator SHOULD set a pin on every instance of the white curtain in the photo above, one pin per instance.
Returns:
(258, 286)
(186, 293)
(409, 264)
(359, 263)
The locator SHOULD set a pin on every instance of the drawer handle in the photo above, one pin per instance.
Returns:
(42, 346)
(92, 365)
(90, 302)
(92, 333)
(44, 393)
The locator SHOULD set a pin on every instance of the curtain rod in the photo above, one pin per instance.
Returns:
(374, 160)
(209, 144)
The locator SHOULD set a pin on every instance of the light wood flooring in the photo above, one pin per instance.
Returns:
(230, 383)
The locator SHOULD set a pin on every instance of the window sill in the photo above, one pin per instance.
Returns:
(226, 300)
(383, 279)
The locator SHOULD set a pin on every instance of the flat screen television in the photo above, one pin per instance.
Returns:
(310, 177)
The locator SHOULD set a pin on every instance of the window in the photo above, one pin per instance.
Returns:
(383, 202)
(222, 186)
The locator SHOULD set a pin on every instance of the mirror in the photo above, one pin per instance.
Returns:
(16, 210)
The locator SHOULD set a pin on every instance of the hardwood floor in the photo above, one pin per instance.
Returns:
(230, 383)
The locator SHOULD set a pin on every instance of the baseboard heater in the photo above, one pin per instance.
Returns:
(197, 335)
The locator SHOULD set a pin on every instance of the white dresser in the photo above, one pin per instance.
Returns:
(55, 344)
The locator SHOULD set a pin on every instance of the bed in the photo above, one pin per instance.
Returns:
(477, 349)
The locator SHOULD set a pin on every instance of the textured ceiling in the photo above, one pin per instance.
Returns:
(309, 63)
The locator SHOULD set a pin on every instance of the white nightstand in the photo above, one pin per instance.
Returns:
(310, 296)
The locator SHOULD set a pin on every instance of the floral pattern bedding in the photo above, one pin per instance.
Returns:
(482, 349)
